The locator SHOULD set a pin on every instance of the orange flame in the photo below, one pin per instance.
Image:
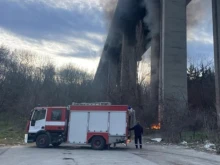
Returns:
(128, 141)
(155, 126)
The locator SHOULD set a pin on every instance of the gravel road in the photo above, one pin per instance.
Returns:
(68, 155)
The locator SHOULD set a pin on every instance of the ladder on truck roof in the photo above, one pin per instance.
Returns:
(95, 103)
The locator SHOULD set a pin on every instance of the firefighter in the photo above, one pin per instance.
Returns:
(138, 132)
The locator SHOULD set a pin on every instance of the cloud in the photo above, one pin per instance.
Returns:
(109, 7)
(75, 30)
(41, 47)
(36, 20)
(200, 46)
(71, 47)
(200, 32)
(56, 52)
(198, 11)
(200, 37)
(68, 29)
(64, 4)
(200, 21)
(95, 36)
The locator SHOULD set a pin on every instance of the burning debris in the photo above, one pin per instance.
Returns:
(155, 126)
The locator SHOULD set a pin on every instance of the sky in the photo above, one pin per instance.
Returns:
(66, 31)
(74, 31)
(200, 33)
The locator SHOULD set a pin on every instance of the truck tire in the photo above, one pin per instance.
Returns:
(43, 141)
(98, 143)
(56, 144)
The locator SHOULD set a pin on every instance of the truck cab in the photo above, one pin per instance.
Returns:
(46, 122)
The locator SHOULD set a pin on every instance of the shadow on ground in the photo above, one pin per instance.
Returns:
(73, 147)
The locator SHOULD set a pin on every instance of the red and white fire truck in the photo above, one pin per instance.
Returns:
(97, 124)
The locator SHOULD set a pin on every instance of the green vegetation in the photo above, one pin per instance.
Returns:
(199, 136)
(10, 134)
(26, 82)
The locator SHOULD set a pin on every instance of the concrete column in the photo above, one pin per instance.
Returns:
(216, 31)
(100, 83)
(128, 71)
(106, 81)
(113, 76)
(174, 56)
(155, 57)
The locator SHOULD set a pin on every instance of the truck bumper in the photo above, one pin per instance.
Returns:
(25, 138)
(29, 138)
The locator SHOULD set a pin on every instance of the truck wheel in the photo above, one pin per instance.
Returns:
(98, 143)
(56, 144)
(43, 141)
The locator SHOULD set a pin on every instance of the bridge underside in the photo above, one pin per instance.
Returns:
(129, 37)
(116, 76)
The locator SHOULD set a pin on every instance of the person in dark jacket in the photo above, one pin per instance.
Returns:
(138, 132)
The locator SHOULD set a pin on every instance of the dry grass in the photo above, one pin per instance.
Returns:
(10, 133)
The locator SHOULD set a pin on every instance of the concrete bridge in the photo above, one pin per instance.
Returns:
(161, 25)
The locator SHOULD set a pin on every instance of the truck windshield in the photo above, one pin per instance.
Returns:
(39, 114)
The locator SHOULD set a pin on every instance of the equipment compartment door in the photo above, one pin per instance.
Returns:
(98, 122)
(118, 123)
(78, 126)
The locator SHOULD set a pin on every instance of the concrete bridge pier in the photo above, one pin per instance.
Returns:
(155, 59)
(174, 55)
(128, 68)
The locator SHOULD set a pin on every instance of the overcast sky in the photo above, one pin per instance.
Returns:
(75, 30)
(200, 32)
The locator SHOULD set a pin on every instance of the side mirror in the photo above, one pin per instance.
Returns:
(33, 122)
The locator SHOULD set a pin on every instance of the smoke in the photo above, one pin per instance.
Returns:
(197, 12)
(152, 18)
(152, 21)
(109, 7)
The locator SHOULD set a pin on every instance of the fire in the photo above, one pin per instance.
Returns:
(155, 126)
(128, 141)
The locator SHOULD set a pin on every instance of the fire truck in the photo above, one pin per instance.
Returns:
(97, 124)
